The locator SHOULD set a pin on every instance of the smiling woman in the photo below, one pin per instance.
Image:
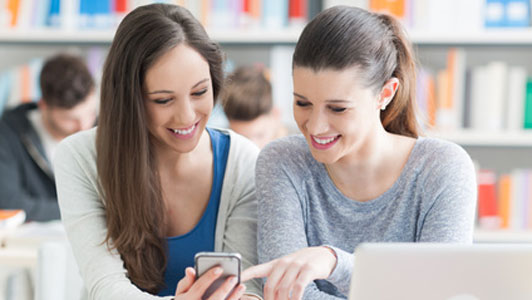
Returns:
(152, 186)
(360, 172)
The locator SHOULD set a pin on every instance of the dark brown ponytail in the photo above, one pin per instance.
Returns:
(400, 115)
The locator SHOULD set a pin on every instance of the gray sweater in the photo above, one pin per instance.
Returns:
(83, 214)
(433, 200)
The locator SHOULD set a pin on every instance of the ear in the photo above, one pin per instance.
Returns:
(387, 92)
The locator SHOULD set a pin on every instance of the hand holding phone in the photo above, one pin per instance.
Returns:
(190, 287)
(230, 263)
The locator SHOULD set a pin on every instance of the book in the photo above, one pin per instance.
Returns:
(528, 105)
(11, 218)
(516, 98)
(487, 211)
(505, 199)
(494, 13)
(517, 13)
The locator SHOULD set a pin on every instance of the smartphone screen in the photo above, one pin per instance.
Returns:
(229, 262)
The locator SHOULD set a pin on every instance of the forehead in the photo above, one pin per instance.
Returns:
(328, 83)
(179, 65)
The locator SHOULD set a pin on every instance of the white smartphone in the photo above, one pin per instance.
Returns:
(229, 262)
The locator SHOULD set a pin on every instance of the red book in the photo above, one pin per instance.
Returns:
(297, 9)
(488, 215)
(120, 6)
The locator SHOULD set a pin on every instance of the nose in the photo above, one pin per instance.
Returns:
(317, 122)
(185, 114)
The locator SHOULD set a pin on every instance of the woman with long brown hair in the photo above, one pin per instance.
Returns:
(360, 172)
(152, 186)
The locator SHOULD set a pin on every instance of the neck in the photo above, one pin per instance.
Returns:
(173, 163)
(49, 127)
(367, 160)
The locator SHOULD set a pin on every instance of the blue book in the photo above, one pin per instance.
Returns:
(494, 13)
(517, 13)
(95, 14)
(54, 18)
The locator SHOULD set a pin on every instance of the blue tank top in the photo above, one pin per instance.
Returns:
(181, 249)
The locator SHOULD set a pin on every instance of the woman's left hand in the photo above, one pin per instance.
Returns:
(289, 275)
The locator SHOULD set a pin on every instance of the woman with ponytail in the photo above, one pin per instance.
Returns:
(152, 185)
(360, 171)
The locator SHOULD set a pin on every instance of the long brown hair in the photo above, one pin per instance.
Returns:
(135, 211)
(342, 37)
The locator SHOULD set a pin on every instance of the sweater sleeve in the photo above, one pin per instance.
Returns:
(83, 216)
(451, 185)
(281, 225)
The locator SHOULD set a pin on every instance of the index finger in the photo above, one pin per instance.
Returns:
(257, 271)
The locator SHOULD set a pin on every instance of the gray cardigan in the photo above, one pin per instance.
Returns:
(83, 214)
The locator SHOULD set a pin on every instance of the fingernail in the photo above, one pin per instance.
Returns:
(233, 280)
(218, 271)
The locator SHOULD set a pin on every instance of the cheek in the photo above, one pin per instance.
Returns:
(299, 116)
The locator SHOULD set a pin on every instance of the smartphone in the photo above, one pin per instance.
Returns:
(229, 262)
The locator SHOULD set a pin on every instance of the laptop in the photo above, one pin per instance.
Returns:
(423, 271)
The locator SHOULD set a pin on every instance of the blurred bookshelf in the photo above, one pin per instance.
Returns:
(105, 37)
(454, 47)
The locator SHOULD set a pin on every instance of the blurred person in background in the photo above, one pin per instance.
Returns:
(30, 132)
(248, 105)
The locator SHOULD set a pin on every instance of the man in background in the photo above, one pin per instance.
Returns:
(248, 104)
(30, 132)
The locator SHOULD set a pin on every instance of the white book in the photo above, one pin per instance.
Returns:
(357, 3)
(24, 14)
(69, 13)
(478, 95)
(515, 98)
(281, 79)
(458, 68)
(497, 72)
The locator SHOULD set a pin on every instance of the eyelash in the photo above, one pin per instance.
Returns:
(162, 101)
(333, 109)
(199, 93)
(166, 100)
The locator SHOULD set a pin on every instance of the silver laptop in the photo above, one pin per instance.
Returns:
(442, 272)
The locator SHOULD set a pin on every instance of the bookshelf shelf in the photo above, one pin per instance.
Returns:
(508, 37)
(502, 236)
(500, 37)
(56, 36)
(476, 138)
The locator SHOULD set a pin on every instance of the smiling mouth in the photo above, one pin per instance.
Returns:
(325, 141)
(184, 131)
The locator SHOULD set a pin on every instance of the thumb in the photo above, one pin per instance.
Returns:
(257, 271)
(184, 284)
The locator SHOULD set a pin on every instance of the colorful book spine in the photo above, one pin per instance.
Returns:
(487, 200)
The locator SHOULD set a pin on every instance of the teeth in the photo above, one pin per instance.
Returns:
(323, 141)
(184, 132)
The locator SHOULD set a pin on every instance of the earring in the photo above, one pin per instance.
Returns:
(383, 107)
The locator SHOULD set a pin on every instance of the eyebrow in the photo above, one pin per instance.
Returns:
(328, 101)
(170, 92)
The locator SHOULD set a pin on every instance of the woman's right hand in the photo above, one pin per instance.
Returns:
(190, 288)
